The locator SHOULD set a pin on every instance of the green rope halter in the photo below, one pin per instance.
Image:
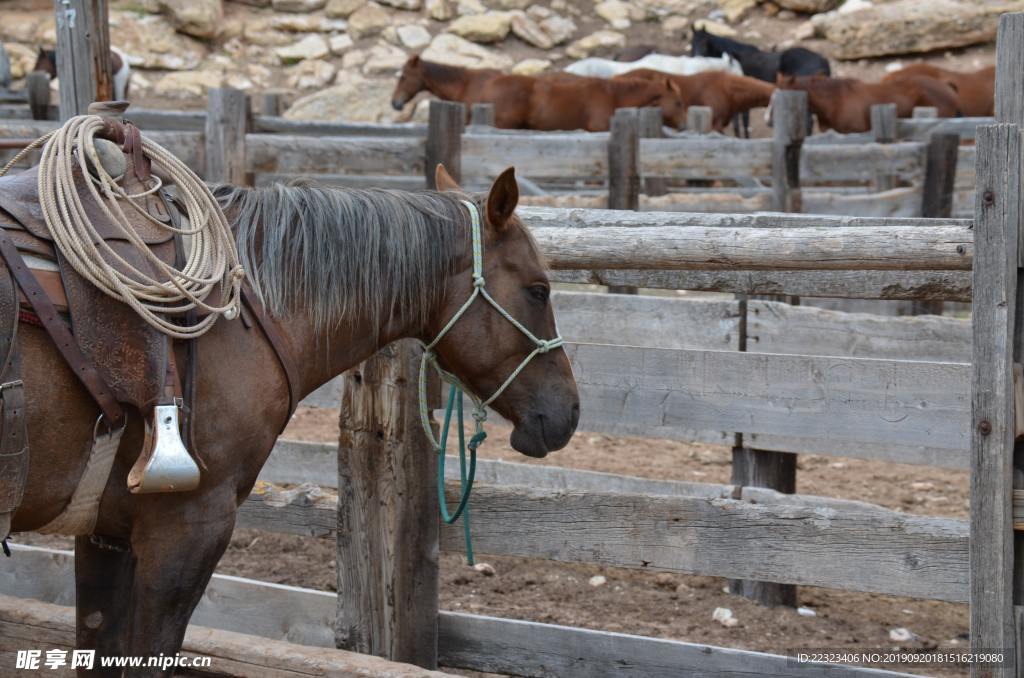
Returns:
(457, 388)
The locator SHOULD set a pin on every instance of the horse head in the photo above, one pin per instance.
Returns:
(46, 60)
(673, 108)
(702, 44)
(410, 83)
(484, 348)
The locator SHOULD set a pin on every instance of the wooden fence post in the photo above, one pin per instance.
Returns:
(5, 68)
(763, 468)
(37, 88)
(482, 114)
(444, 139)
(651, 128)
(270, 104)
(388, 523)
(997, 552)
(788, 132)
(83, 54)
(227, 120)
(698, 119)
(883, 129)
(937, 201)
(623, 171)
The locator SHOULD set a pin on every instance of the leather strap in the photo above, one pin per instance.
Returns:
(59, 333)
(278, 343)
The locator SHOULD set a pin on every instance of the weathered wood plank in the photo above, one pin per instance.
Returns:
(890, 553)
(226, 121)
(706, 157)
(83, 54)
(780, 328)
(934, 285)
(293, 154)
(28, 624)
(388, 586)
(279, 125)
(998, 214)
(623, 148)
(541, 650)
(811, 248)
(658, 392)
(469, 641)
(555, 155)
(788, 132)
(444, 140)
(861, 162)
(922, 128)
(883, 131)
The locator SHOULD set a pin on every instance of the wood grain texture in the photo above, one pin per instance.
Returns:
(623, 148)
(937, 285)
(998, 213)
(482, 114)
(387, 519)
(920, 129)
(227, 118)
(699, 248)
(278, 125)
(889, 553)
(862, 162)
(883, 131)
(444, 140)
(543, 650)
(698, 119)
(789, 110)
(29, 624)
(83, 54)
(706, 157)
(554, 155)
(481, 643)
(651, 127)
(940, 176)
(668, 393)
(293, 154)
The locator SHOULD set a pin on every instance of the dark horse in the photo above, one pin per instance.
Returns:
(120, 71)
(757, 63)
(344, 272)
(561, 101)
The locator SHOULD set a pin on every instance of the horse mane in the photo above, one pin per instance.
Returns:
(443, 72)
(728, 45)
(339, 254)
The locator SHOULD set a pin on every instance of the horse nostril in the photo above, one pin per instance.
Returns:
(575, 413)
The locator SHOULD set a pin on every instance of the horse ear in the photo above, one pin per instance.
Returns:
(414, 60)
(502, 199)
(673, 87)
(445, 181)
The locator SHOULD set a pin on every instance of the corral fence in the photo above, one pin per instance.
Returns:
(926, 390)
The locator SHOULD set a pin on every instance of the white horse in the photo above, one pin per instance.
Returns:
(595, 67)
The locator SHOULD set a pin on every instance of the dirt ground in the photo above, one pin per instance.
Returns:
(657, 604)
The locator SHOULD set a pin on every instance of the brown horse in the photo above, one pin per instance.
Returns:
(844, 104)
(725, 93)
(344, 272)
(560, 101)
(976, 90)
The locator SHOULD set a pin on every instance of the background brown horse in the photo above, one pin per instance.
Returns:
(559, 101)
(725, 93)
(345, 272)
(976, 90)
(844, 104)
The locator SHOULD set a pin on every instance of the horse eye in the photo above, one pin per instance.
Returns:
(539, 293)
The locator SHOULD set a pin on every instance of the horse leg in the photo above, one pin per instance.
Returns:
(175, 553)
(103, 584)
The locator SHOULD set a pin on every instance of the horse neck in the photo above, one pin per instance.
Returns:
(747, 93)
(447, 82)
(628, 93)
(733, 48)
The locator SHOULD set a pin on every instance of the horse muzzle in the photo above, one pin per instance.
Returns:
(397, 104)
(544, 432)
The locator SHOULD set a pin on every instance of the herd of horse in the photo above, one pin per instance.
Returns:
(728, 76)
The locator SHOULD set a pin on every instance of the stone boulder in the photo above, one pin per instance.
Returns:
(408, 5)
(735, 10)
(310, 47)
(599, 43)
(339, 44)
(311, 74)
(483, 28)
(341, 9)
(187, 84)
(911, 26)
(808, 6)
(384, 59)
(297, 5)
(368, 20)
(531, 66)
(412, 36)
(557, 27)
(620, 15)
(529, 31)
(352, 98)
(447, 48)
(469, 7)
(440, 10)
(306, 23)
(199, 18)
(150, 42)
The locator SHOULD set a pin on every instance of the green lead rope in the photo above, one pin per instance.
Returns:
(466, 482)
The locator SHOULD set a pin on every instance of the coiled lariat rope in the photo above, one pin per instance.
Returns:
(457, 388)
(211, 260)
